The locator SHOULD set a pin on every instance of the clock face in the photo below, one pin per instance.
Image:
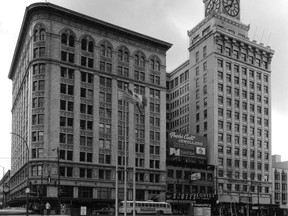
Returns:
(213, 5)
(232, 7)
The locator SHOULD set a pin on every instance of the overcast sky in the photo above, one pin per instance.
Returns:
(166, 20)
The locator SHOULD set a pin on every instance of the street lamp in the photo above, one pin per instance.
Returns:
(27, 180)
(58, 180)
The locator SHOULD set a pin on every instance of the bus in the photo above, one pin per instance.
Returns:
(146, 207)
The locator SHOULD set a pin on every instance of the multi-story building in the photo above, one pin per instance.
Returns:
(229, 102)
(182, 158)
(279, 186)
(4, 188)
(69, 126)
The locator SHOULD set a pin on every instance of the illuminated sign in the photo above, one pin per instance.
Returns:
(186, 145)
(190, 196)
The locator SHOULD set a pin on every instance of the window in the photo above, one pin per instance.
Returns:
(66, 121)
(87, 77)
(67, 73)
(86, 109)
(87, 45)
(66, 105)
(39, 52)
(139, 59)
(205, 66)
(104, 158)
(67, 39)
(66, 89)
(105, 97)
(38, 69)
(227, 51)
(204, 51)
(197, 56)
(104, 128)
(85, 157)
(68, 57)
(154, 93)
(228, 66)
(220, 63)
(38, 85)
(66, 138)
(105, 82)
(154, 64)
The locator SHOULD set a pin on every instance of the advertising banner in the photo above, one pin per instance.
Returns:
(187, 145)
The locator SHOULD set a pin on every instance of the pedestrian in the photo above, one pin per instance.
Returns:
(48, 207)
(42, 207)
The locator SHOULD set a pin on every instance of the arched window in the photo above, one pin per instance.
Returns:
(109, 52)
(126, 57)
(152, 64)
(36, 35)
(71, 41)
(64, 38)
(42, 34)
(120, 55)
(142, 61)
(84, 44)
(157, 66)
(102, 50)
(106, 49)
(136, 60)
(90, 46)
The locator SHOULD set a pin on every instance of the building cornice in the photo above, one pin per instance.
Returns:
(86, 20)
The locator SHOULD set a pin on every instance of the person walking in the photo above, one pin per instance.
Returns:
(48, 207)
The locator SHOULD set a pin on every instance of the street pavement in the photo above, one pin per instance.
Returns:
(19, 211)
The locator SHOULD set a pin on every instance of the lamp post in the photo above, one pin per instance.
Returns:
(27, 180)
(58, 178)
(258, 187)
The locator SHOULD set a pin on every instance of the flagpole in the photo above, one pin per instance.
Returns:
(116, 180)
(125, 162)
(134, 171)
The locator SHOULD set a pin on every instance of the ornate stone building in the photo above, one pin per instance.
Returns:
(66, 72)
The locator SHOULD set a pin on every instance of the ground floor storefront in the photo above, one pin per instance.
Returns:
(247, 209)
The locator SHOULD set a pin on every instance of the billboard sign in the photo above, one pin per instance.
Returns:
(187, 145)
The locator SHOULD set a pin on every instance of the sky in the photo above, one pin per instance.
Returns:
(167, 20)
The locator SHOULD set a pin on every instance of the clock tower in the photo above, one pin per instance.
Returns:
(230, 83)
(230, 8)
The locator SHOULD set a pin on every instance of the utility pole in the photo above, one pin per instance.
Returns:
(58, 168)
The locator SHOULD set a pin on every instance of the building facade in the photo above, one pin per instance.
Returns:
(4, 189)
(183, 192)
(279, 187)
(69, 126)
(229, 102)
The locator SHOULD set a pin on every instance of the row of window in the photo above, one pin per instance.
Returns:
(243, 56)
(244, 139)
(178, 80)
(87, 45)
(245, 188)
(180, 174)
(244, 84)
(236, 163)
(244, 71)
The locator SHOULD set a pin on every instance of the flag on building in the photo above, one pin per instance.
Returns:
(132, 97)
(195, 176)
